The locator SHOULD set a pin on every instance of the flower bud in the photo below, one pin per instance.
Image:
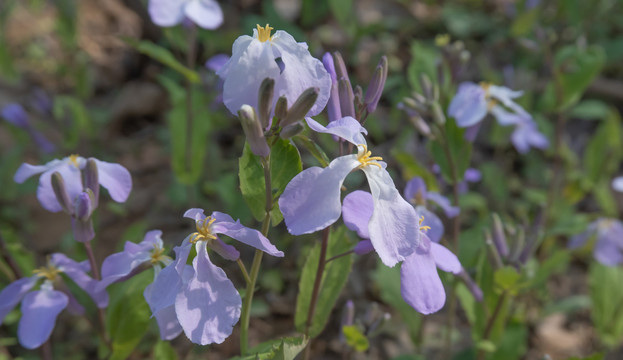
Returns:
(427, 86)
(301, 107)
(375, 89)
(347, 98)
(16, 115)
(340, 66)
(281, 108)
(420, 125)
(253, 131)
(438, 114)
(499, 238)
(83, 205)
(493, 251)
(358, 97)
(58, 186)
(291, 130)
(91, 180)
(265, 101)
(333, 105)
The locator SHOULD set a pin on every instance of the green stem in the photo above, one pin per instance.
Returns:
(491, 323)
(101, 315)
(257, 261)
(190, 63)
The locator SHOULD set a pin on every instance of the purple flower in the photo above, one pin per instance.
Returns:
(278, 57)
(114, 177)
(311, 201)
(415, 192)
(526, 135)
(420, 284)
(201, 300)
(333, 105)
(216, 62)
(608, 249)
(617, 184)
(16, 115)
(41, 307)
(205, 13)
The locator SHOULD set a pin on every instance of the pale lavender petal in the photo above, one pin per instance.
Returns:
(506, 118)
(363, 247)
(527, 135)
(608, 252)
(357, 211)
(227, 251)
(119, 265)
(435, 233)
(445, 259)
(472, 175)
(420, 284)
(617, 183)
(238, 51)
(216, 62)
(302, 71)
(164, 289)
(469, 105)
(181, 255)
(76, 272)
(73, 185)
(415, 191)
(444, 203)
(166, 12)
(247, 236)
(115, 178)
(209, 306)
(26, 170)
(39, 312)
(166, 318)
(195, 214)
(205, 13)
(311, 201)
(394, 226)
(346, 128)
(11, 295)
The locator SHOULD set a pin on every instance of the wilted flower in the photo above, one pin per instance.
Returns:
(311, 201)
(608, 249)
(205, 13)
(420, 286)
(41, 307)
(201, 299)
(278, 57)
(114, 177)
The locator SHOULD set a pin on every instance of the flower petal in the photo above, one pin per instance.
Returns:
(164, 289)
(435, 233)
(73, 185)
(444, 203)
(617, 183)
(76, 272)
(415, 188)
(311, 201)
(346, 128)
(166, 12)
(227, 251)
(209, 306)
(445, 259)
(166, 318)
(115, 178)
(26, 170)
(216, 62)
(394, 226)
(420, 284)
(357, 211)
(469, 105)
(608, 252)
(13, 294)
(363, 247)
(39, 312)
(205, 13)
(247, 236)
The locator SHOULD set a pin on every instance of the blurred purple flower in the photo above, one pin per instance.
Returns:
(216, 62)
(617, 183)
(206, 14)
(200, 299)
(333, 105)
(420, 286)
(114, 177)
(41, 307)
(526, 135)
(608, 249)
(311, 201)
(16, 115)
(278, 57)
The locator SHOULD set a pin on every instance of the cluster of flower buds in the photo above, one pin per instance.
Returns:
(346, 101)
(509, 245)
(422, 108)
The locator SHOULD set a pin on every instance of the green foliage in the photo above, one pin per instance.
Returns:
(507, 278)
(281, 349)
(164, 351)
(411, 168)
(285, 164)
(128, 315)
(164, 56)
(460, 151)
(355, 338)
(607, 302)
(333, 280)
(67, 107)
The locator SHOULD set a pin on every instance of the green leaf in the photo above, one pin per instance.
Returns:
(355, 338)
(424, 60)
(602, 154)
(412, 168)
(512, 344)
(507, 278)
(590, 110)
(164, 351)
(66, 106)
(576, 68)
(460, 150)
(333, 280)
(281, 349)
(164, 56)
(285, 164)
(606, 295)
(128, 315)
(314, 149)
(343, 11)
(525, 22)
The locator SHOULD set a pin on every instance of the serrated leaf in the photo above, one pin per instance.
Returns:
(333, 280)
(164, 56)
(355, 338)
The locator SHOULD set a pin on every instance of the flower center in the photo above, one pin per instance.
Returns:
(490, 101)
(49, 272)
(203, 231)
(263, 33)
(423, 228)
(157, 255)
(365, 158)
(74, 159)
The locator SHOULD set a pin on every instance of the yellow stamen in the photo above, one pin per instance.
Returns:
(365, 158)
(74, 159)
(203, 231)
(424, 228)
(49, 272)
(263, 33)
(490, 101)
(157, 255)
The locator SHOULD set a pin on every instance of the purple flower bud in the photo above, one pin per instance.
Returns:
(301, 107)
(91, 178)
(375, 89)
(499, 238)
(16, 115)
(347, 98)
(253, 131)
(265, 101)
(281, 107)
(58, 186)
(42, 102)
(83, 205)
(333, 106)
(340, 66)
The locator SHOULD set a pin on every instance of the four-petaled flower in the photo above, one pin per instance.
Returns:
(205, 13)
(311, 201)
(114, 177)
(41, 307)
(278, 57)
(420, 284)
(201, 299)
(608, 248)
